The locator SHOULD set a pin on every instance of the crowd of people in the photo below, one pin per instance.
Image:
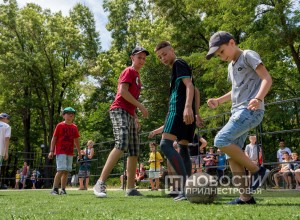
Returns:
(288, 168)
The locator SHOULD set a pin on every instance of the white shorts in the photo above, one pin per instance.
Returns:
(154, 173)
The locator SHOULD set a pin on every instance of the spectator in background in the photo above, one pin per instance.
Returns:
(18, 177)
(282, 149)
(253, 151)
(85, 165)
(296, 169)
(194, 150)
(140, 173)
(221, 160)
(210, 160)
(123, 178)
(24, 174)
(155, 159)
(284, 172)
(5, 132)
(33, 179)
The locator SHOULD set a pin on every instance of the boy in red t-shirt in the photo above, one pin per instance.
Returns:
(125, 123)
(62, 145)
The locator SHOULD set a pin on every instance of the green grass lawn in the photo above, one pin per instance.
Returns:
(39, 204)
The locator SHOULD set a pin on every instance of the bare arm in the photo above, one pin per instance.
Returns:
(156, 131)
(264, 88)
(197, 101)
(6, 148)
(52, 146)
(203, 143)
(77, 144)
(199, 121)
(215, 102)
(91, 153)
(128, 97)
(188, 115)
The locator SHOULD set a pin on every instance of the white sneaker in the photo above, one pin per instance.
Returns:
(100, 189)
(180, 197)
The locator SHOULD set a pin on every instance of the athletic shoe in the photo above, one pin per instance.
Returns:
(100, 189)
(55, 192)
(238, 201)
(63, 192)
(180, 197)
(275, 187)
(133, 192)
(259, 178)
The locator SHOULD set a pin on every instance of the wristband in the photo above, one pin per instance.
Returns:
(258, 99)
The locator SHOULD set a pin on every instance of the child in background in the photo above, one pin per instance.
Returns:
(85, 166)
(18, 177)
(284, 172)
(154, 160)
(62, 145)
(33, 179)
(296, 169)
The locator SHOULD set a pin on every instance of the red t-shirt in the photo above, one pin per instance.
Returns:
(65, 135)
(132, 77)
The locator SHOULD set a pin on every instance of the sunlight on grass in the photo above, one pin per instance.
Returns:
(39, 204)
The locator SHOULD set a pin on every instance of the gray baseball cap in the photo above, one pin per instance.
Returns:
(138, 50)
(216, 40)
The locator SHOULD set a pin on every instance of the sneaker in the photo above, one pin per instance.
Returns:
(133, 192)
(259, 178)
(55, 192)
(275, 187)
(63, 192)
(238, 201)
(100, 189)
(180, 197)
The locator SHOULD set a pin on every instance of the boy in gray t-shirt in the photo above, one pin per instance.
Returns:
(252, 150)
(250, 84)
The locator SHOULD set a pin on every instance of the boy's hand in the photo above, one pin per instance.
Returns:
(151, 134)
(138, 124)
(50, 155)
(144, 111)
(253, 104)
(199, 121)
(213, 103)
(188, 116)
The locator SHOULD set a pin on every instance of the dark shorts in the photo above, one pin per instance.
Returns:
(174, 125)
(84, 173)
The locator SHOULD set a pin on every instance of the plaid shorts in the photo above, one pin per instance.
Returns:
(125, 131)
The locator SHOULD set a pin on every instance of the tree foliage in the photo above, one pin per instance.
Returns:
(49, 61)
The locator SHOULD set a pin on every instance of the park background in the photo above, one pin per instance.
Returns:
(49, 61)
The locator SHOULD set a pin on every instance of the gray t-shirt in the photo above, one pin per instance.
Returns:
(245, 81)
(252, 151)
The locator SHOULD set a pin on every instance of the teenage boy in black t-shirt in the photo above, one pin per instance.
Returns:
(180, 120)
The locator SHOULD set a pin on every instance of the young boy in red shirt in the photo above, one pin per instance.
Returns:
(62, 145)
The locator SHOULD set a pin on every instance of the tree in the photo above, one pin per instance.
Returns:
(45, 54)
